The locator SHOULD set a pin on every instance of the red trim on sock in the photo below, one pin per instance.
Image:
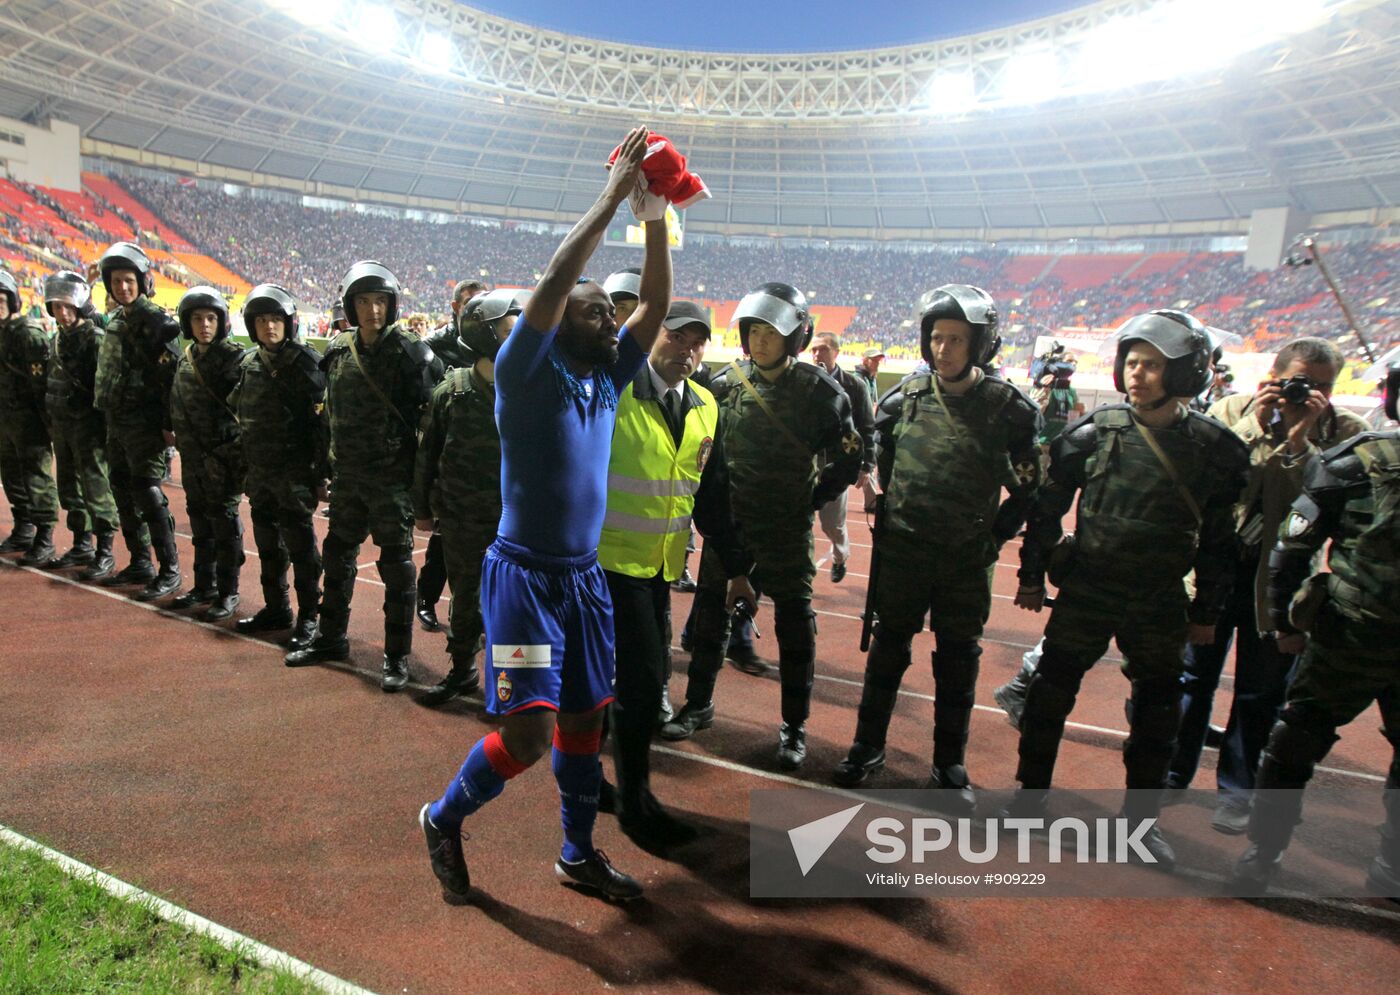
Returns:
(578, 743)
(499, 757)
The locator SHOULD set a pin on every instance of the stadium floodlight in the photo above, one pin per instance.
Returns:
(952, 91)
(1030, 76)
(437, 51)
(375, 27)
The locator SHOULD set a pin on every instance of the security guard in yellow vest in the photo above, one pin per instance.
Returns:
(662, 476)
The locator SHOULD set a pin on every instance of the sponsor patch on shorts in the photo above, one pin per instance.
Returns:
(509, 655)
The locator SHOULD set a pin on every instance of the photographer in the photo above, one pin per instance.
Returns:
(1287, 421)
(1051, 389)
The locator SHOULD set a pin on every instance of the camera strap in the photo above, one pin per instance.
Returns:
(1170, 467)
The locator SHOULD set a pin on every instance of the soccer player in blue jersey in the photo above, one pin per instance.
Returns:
(549, 626)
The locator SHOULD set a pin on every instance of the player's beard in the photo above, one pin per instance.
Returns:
(586, 348)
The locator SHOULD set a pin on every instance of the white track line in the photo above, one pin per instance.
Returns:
(260, 952)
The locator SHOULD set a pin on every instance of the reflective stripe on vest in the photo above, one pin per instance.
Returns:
(652, 486)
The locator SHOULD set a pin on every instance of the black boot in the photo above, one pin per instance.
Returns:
(394, 674)
(140, 570)
(303, 632)
(796, 630)
(955, 667)
(1383, 877)
(463, 678)
(167, 579)
(80, 554)
(228, 553)
(103, 562)
(885, 665)
(205, 590)
(307, 573)
(227, 601)
(1285, 767)
(41, 552)
(20, 539)
(326, 646)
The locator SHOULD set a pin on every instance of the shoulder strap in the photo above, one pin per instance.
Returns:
(194, 365)
(1170, 467)
(791, 436)
(355, 351)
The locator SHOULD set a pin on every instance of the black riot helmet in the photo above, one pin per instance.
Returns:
(965, 303)
(1392, 392)
(128, 256)
(782, 306)
(10, 289)
(197, 298)
(625, 284)
(268, 298)
(66, 287)
(1180, 338)
(370, 277)
(476, 325)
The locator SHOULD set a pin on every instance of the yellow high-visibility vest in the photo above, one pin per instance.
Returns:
(652, 485)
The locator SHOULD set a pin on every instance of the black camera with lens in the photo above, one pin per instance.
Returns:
(1297, 389)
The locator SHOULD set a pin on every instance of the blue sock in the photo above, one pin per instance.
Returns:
(579, 776)
(475, 785)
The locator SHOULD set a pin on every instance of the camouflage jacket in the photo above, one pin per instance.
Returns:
(376, 403)
(944, 460)
(1140, 531)
(280, 401)
(24, 364)
(136, 363)
(457, 473)
(771, 460)
(1351, 495)
(72, 370)
(200, 414)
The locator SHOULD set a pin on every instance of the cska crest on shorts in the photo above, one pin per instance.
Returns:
(504, 688)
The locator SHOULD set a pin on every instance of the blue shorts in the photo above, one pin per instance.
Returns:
(549, 631)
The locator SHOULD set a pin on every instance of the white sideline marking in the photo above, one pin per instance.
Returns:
(260, 952)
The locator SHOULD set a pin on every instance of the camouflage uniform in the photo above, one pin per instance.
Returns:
(449, 353)
(1351, 495)
(943, 461)
(280, 403)
(1138, 537)
(372, 453)
(457, 482)
(79, 431)
(24, 438)
(135, 367)
(211, 470)
(775, 489)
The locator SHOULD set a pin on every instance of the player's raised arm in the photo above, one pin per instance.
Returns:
(655, 292)
(546, 307)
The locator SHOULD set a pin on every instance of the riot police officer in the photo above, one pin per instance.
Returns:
(280, 403)
(135, 368)
(1157, 486)
(776, 415)
(378, 379)
(24, 438)
(1351, 495)
(457, 477)
(948, 442)
(79, 433)
(211, 460)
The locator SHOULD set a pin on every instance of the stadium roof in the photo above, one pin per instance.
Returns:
(1075, 122)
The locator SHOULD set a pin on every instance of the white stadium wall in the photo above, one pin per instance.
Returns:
(46, 157)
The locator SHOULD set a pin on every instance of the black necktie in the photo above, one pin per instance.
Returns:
(672, 404)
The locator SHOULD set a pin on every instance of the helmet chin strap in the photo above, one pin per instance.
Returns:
(782, 361)
(1156, 405)
(966, 372)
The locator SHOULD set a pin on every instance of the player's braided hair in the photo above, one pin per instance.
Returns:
(571, 387)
